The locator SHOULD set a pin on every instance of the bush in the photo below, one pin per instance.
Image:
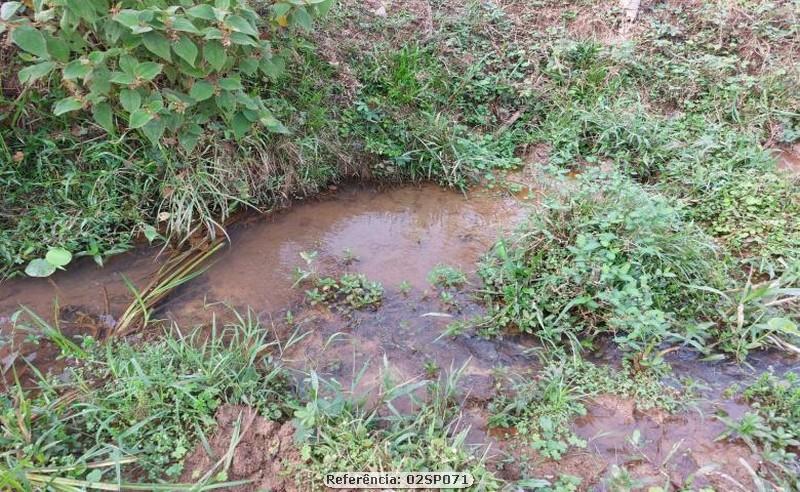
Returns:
(608, 259)
(160, 67)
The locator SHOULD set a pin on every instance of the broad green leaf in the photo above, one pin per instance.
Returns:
(100, 80)
(186, 49)
(35, 72)
(66, 105)
(239, 24)
(324, 7)
(30, 39)
(248, 66)
(281, 9)
(39, 268)
(128, 18)
(270, 68)
(188, 137)
(154, 129)
(212, 33)
(130, 99)
(158, 44)
(150, 233)
(214, 54)
(231, 83)
(201, 90)
(272, 124)
(240, 125)
(139, 118)
(226, 102)
(103, 116)
(203, 11)
(58, 257)
(122, 78)
(222, 4)
(185, 25)
(82, 9)
(128, 64)
(301, 17)
(243, 39)
(77, 69)
(147, 70)
(8, 9)
(58, 49)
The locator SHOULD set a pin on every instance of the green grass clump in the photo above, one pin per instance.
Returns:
(342, 433)
(146, 404)
(542, 409)
(608, 258)
(446, 276)
(773, 425)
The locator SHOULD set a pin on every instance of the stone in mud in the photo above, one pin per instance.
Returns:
(264, 454)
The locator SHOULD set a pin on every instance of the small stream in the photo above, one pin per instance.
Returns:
(395, 236)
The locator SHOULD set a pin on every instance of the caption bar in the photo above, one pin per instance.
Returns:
(400, 480)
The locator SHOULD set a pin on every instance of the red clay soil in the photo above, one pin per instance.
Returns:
(264, 454)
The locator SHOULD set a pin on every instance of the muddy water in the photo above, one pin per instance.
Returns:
(395, 235)
(391, 235)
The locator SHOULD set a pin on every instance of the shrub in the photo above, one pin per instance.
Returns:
(608, 259)
(160, 67)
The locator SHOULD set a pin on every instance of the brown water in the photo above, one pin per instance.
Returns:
(397, 234)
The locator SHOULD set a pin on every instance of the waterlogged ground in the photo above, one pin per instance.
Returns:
(396, 236)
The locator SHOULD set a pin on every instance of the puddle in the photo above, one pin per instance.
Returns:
(789, 159)
(396, 235)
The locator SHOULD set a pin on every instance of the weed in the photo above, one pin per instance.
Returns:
(350, 291)
(141, 404)
(542, 409)
(446, 276)
(404, 288)
(607, 259)
(339, 433)
(773, 425)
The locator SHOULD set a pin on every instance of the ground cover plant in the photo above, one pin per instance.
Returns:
(772, 424)
(343, 434)
(132, 411)
(541, 409)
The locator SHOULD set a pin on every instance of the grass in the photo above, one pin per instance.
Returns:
(773, 425)
(690, 239)
(606, 258)
(541, 409)
(341, 433)
(130, 411)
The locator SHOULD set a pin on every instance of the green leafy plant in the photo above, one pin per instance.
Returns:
(446, 276)
(56, 258)
(159, 67)
(773, 425)
(143, 404)
(608, 258)
(350, 291)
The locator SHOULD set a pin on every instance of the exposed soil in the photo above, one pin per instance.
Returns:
(264, 452)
